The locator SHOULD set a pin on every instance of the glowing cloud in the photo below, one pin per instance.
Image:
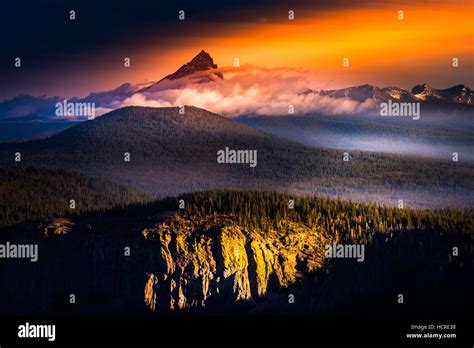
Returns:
(247, 90)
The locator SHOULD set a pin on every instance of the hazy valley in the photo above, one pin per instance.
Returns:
(171, 153)
(435, 136)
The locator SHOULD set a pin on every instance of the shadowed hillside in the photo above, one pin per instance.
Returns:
(33, 194)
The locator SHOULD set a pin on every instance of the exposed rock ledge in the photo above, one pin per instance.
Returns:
(213, 261)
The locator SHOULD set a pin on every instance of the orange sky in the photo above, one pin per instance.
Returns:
(382, 50)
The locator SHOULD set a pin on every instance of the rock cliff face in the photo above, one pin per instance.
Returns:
(214, 261)
(178, 263)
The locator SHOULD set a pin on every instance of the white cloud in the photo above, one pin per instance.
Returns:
(247, 90)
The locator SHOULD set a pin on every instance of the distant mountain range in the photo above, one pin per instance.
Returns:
(456, 94)
(459, 94)
(202, 69)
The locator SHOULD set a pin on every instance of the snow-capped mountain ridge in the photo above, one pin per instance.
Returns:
(459, 94)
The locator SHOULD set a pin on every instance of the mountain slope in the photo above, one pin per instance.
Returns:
(148, 134)
(200, 69)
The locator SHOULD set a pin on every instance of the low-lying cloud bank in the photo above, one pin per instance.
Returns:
(246, 90)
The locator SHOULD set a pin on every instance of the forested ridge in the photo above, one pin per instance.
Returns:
(346, 220)
(40, 193)
(245, 251)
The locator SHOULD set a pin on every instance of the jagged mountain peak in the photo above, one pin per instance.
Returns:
(201, 62)
(203, 55)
